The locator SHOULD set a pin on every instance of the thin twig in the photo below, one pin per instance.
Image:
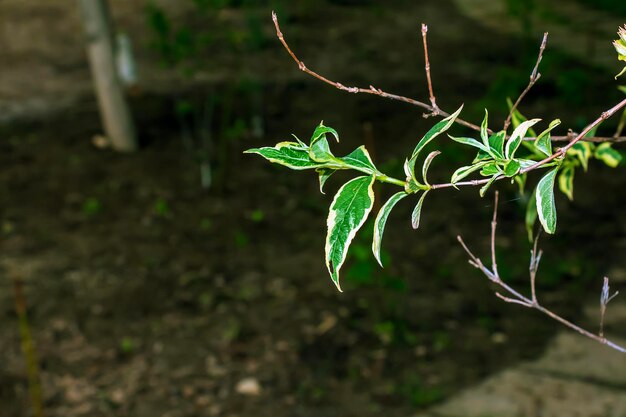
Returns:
(433, 101)
(534, 76)
(535, 257)
(518, 298)
(494, 223)
(436, 111)
(372, 90)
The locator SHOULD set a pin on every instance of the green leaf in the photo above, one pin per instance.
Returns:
(470, 142)
(463, 172)
(516, 137)
(485, 187)
(426, 165)
(435, 131)
(324, 174)
(543, 142)
(531, 215)
(348, 211)
(546, 208)
(360, 159)
(417, 211)
(293, 157)
(607, 154)
(511, 168)
(321, 131)
(381, 220)
(319, 150)
(484, 134)
(582, 151)
(496, 144)
(566, 181)
(490, 169)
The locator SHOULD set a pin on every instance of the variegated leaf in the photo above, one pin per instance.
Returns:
(381, 220)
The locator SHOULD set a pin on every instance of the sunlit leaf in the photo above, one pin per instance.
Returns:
(496, 144)
(543, 142)
(293, 157)
(435, 131)
(470, 142)
(463, 172)
(381, 220)
(348, 211)
(324, 174)
(546, 208)
(426, 165)
(485, 187)
(359, 159)
(319, 149)
(518, 118)
(516, 137)
(484, 133)
(490, 169)
(511, 168)
(417, 211)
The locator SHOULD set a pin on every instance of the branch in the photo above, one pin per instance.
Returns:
(534, 76)
(436, 111)
(605, 115)
(432, 109)
(433, 101)
(517, 298)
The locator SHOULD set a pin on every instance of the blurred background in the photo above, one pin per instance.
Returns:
(188, 279)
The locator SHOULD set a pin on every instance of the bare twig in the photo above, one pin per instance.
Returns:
(371, 90)
(605, 298)
(534, 76)
(517, 298)
(433, 101)
(433, 110)
(494, 223)
(535, 258)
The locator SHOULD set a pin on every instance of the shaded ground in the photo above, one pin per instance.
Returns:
(151, 297)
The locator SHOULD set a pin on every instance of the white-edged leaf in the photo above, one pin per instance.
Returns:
(518, 118)
(463, 172)
(543, 142)
(435, 131)
(566, 181)
(511, 168)
(324, 174)
(607, 154)
(319, 149)
(490, 169)
(546, 208)
(485, 187)
(381, 220)
(484, 134)
(516, 137)
(496, 144)
(426, 165)
(291, 157)
(348, 211)
(417, 211)
(360, 159)
(470, 142)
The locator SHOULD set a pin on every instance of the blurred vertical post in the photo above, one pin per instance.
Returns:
(114, 110)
